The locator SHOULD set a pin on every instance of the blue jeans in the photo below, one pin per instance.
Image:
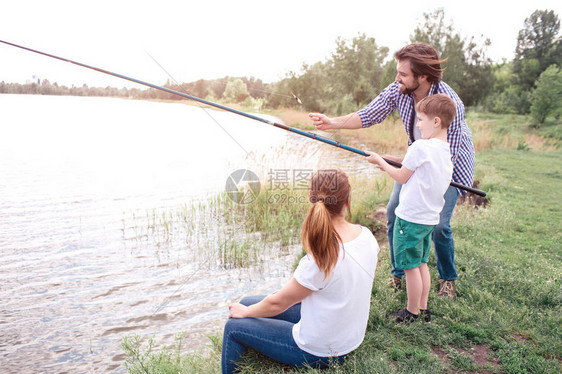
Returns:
(442, 235)
(272, 337)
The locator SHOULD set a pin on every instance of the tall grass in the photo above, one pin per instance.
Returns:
(239, 234)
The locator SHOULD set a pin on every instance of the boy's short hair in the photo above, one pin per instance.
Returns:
(439, 105)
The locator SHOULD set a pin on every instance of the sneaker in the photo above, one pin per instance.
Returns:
(447, 289)
(426, 315)
(394, 282)
(404, 316)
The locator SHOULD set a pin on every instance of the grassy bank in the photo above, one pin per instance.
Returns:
(508, 313)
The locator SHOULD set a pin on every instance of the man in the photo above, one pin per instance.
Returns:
(419, 75)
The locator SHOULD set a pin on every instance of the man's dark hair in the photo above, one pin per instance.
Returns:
(423, 60)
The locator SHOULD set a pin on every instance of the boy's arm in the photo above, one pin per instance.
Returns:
(399, 175)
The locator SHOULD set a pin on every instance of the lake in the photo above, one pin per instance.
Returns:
(79, 177)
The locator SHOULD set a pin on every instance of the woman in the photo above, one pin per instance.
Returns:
(321, 314)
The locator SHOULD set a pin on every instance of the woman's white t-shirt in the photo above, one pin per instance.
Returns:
(334, 317)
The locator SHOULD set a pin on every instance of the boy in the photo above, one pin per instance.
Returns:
(425, 175)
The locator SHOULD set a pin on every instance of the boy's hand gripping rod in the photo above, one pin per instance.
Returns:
(210, 103)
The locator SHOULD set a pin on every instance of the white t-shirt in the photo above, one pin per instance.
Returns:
(334, 317)
(421, 198)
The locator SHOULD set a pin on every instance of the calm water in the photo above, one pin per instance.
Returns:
(74, 172)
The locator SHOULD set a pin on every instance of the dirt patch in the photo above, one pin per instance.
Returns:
(439, 352)
(474, 200)
(378, 222)
(520, 337)
(379, 215)
(481, 356)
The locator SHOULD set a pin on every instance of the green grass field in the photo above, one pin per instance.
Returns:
(508, 314)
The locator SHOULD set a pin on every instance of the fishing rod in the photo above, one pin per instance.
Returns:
(225, 108)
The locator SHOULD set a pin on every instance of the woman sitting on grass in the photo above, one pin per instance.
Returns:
(321, 314)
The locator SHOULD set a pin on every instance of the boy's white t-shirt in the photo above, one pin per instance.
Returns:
(334, 317)
(421, 197)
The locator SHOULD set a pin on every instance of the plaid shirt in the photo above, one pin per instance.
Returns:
(458, 134)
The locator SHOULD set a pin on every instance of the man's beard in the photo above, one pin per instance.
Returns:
(408, 90)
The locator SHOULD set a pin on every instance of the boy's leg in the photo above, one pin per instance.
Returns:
(426, 285)
(391, 217)
(412, 243)
(414, 289)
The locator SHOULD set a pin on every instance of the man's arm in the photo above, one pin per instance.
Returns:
(323, 122)
(375, 112)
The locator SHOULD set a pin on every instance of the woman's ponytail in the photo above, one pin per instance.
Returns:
(329, 193)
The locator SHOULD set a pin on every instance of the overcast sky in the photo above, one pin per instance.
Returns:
(211, 39)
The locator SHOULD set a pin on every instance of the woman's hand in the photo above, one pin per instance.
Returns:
(273, 304)
(237, 311)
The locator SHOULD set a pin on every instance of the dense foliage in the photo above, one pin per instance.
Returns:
(359, 69)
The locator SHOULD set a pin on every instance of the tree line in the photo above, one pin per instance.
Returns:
(359, 69)
(227, 88)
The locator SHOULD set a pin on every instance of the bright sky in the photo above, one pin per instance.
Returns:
(214, 38)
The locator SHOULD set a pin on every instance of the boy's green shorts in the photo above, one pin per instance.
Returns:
(412, 242)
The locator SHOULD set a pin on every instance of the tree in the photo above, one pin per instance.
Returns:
(314, 86)
(236, 91)
(388, 74)
(256, 88)
(218, 86)
(200, 88)
(538, 47)
(478, 76)
(504, 97)
(468, 69)
(546, 99)
(357, 68)
(448, 43)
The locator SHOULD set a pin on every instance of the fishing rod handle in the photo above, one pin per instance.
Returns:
(363, 153)
(453, 183)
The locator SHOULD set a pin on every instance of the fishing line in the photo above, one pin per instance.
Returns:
(199, 104)
(292, 96)
(167, 299)
(209, 114)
